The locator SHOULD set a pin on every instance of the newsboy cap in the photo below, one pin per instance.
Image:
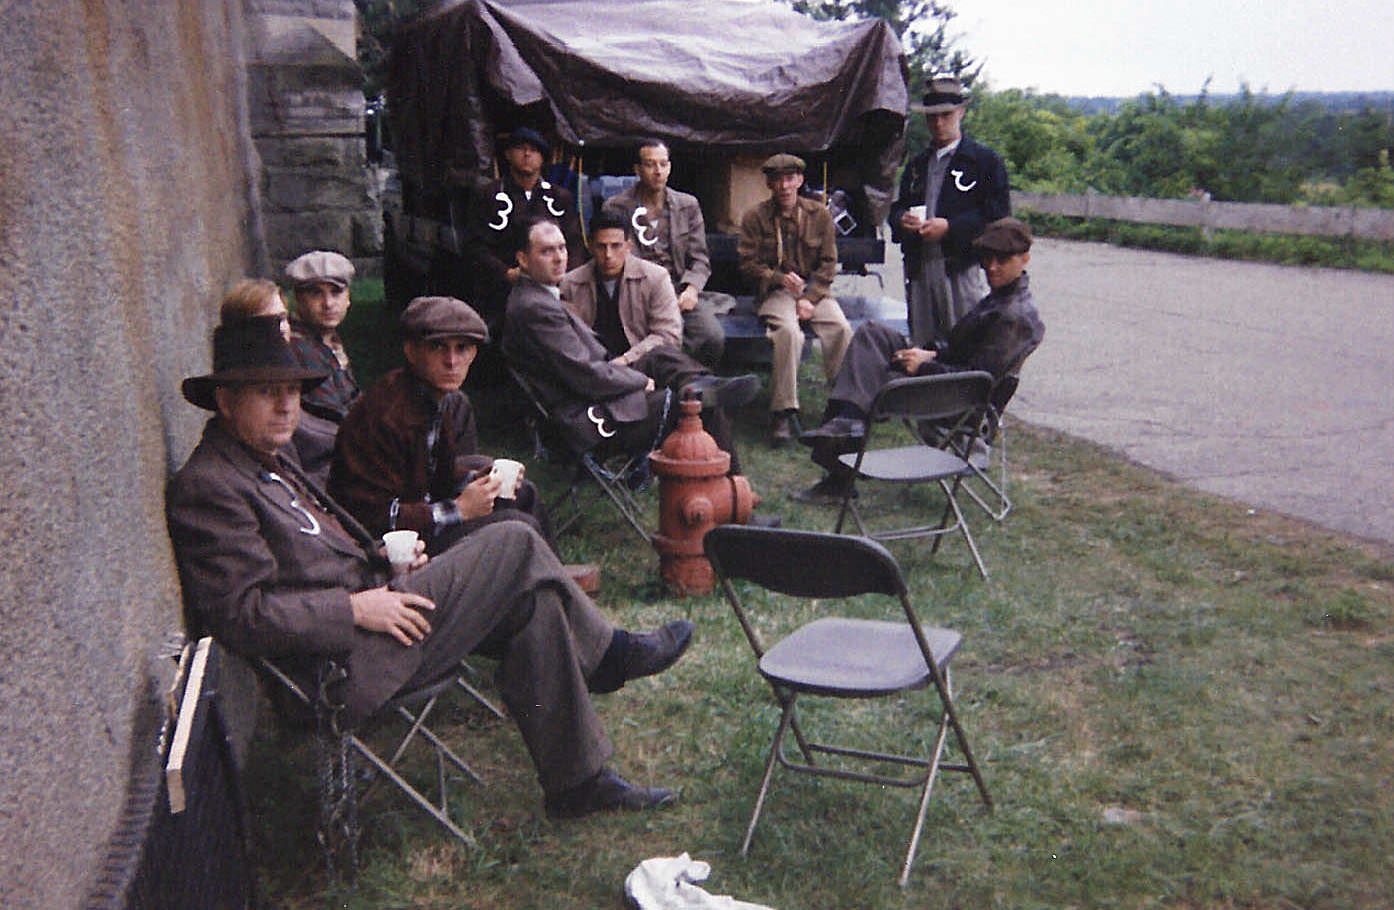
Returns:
(320, 265)
(1005, 235)
(944, 93)
(249, 350)
(783, 163)
(443, 317)
(528, 136)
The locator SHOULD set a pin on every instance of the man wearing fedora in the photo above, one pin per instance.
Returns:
(948, 194)
(492, 232)
(272, 566)
(995, 336)
(788, 251)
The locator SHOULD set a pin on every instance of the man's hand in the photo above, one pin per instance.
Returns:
(477, 498)
(792, 283)
(687, 299)
(513, 274)
(910, 221)
(934, 229)
(911, 359)
(803, 308)
(649, 386)
(395, 613)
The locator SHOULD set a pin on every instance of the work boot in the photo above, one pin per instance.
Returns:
(603, 792)
(784, 429)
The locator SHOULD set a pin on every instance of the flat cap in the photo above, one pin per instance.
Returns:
(943, 93)
(783, 163)
(1005, 235)
(443, 317)
(320, 265)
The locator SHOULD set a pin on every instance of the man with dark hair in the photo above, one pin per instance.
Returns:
(273, 567)
(995, 336)
(788, 251)
(669, 231)
(948, 194)
(522, 192)
(593, 394)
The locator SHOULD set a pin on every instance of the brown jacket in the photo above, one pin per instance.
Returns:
(687, 232)
(267, 575)
(808, 245)
(648, 307)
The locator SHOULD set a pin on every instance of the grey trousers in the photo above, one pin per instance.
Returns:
(501, 591)
(936, 300)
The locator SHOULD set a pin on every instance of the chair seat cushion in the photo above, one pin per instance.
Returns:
(855, 658)
(908, 464)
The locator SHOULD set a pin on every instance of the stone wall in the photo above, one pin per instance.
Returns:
(126, 206)
(306, 103)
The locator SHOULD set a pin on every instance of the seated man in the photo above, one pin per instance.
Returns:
(788, 250)
(320, 282)
(593, 395)
(408, 453)
(271, 566)
(996, 335)
(671, 233)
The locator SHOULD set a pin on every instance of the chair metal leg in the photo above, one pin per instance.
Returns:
(474, 693)
(412, 793)
(924, 798)
(784, 719)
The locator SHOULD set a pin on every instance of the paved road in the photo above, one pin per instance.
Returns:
(1272, 385)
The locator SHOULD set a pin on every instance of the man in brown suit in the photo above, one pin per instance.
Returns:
(272, 566)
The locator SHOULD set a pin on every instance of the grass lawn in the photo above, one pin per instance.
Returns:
(1179, 702)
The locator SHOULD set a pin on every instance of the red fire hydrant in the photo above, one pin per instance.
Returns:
(695, 495)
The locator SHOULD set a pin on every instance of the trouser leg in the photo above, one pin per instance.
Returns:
(702, 335)
(777, 312)
(830, 324)
(670, 368)
(866, 367)
(503, 592)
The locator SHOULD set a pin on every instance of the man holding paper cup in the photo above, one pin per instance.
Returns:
(408, 457)
(271, 566)
(948, 194)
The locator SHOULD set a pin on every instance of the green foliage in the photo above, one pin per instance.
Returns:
(378, 20)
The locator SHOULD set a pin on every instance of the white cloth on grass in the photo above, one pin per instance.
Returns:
(668, 883)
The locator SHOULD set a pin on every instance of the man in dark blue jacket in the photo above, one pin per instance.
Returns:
(948, 194)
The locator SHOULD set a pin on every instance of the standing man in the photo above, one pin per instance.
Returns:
(670, 232)
(788, 250)
(271, 566)
(961, 187)
(492, 232)
(320, 282)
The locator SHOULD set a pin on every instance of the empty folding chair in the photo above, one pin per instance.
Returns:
(954, 402)
(843, 658)
(616, 474)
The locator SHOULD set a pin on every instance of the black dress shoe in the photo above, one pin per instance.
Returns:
(653, 652)
(603, 792)
(837, 428)
(725, 391)
(830, 491)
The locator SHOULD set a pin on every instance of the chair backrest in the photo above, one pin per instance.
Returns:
(803, 563)
(944, 396)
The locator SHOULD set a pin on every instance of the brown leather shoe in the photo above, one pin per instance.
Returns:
(784, 429)
(603, 792)
(585, 574)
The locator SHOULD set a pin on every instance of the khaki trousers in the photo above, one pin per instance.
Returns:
(782, 328)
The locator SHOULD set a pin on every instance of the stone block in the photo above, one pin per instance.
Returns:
(289, 234)
(332, 153)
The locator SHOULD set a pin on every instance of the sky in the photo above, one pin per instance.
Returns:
(1123, 48)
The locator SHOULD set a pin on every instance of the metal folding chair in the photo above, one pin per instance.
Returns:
(842, 658)
(953, 401)
(617, 475)
(341, 785)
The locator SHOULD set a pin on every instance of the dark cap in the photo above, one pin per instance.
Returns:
(783, 163)
(526, 136)
(1005, 235)
(249, 350)
(443, 317)
(320, 265)
(944, 93)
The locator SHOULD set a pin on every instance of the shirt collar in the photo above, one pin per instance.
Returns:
(949, 149)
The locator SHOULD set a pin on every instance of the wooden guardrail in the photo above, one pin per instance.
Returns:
(1325, 221)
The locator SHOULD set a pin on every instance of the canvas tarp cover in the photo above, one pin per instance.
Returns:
(748, 75)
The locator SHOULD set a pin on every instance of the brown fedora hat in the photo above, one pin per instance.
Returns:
(250, 350)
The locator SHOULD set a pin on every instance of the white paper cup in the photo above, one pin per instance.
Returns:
(401, 549)
(918, 211)
(507, 471)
